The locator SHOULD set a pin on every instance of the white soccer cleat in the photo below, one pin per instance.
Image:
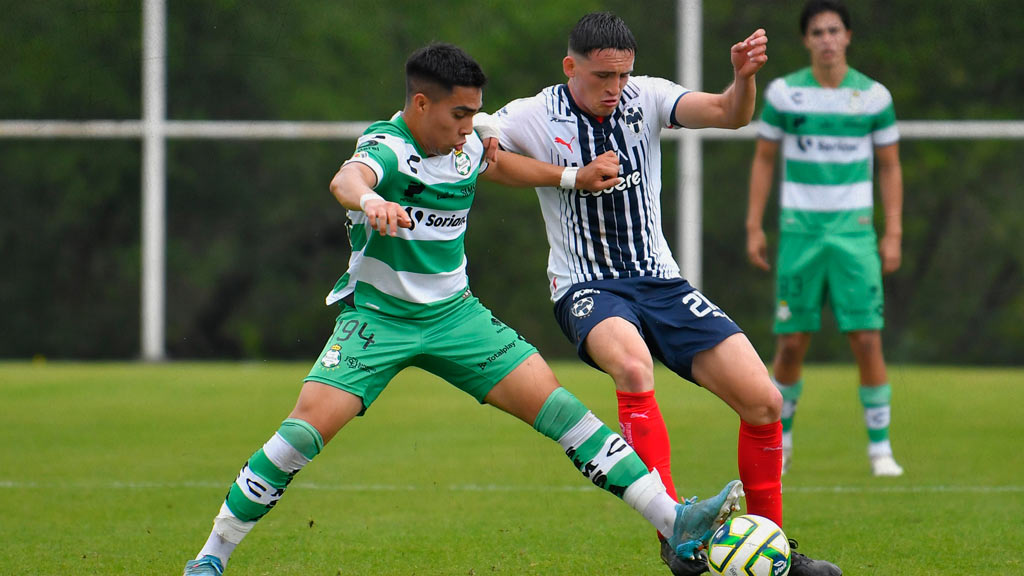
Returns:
(885, 466)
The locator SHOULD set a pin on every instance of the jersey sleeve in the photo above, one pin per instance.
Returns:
(770, 126)
(666, 95)
(515, 120)
(883, 126)
(373, 151)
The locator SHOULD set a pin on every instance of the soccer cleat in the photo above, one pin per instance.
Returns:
(801, 565)
(885, 466)
(208, 565)
(683, 566)
(697, 521)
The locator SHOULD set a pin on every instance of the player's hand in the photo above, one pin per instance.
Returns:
(757, 249)
(491, 150)
(489, 130)
(750, 55)
(602, 173)
(386, 217)
(890, 252)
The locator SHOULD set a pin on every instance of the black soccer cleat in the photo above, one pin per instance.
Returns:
(801, 565)
(683, 566)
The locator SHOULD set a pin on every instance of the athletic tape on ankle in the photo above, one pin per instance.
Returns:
(640, 494)
(229, 526)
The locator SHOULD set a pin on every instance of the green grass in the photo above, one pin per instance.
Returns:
(119, 469)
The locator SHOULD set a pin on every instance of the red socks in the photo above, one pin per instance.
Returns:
(644, 430)
(759, 452)
(760, 464)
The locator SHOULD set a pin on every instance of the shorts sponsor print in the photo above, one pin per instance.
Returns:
(463, 344)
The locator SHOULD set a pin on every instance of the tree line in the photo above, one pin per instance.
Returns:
(255, 241)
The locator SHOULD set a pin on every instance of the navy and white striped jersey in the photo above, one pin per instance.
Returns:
(614, 233)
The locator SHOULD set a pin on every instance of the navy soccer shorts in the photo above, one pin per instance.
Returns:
(674, 318)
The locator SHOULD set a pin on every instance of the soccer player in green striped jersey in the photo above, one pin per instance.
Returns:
(832, 124)
(405, 301)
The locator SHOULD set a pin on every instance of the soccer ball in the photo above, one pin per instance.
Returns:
(749, 545)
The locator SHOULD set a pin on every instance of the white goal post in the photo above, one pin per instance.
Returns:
(154, 129)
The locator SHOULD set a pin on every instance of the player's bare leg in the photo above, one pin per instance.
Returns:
(617, 347)
(875, 396)
(734, 372)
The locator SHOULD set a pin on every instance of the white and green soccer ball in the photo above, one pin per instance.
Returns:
(749, 545)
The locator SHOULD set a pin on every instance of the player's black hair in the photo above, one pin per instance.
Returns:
(438, 68)
(815, 7)
(599, 31)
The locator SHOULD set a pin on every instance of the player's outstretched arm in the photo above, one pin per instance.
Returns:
(523, 172)
(734, 107)
(353, 188)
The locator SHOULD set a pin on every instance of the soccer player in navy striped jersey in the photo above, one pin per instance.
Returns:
(831, 124)
(617, 290)
(405, 301)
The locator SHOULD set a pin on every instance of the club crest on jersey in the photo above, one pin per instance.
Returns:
(783, 313)
(856, 103)
(463, 164)
(332, 358)
(583, 307)
(634, 118)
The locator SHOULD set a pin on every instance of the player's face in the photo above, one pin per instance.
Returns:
(448, 121)
(827, 39)
(596, 80)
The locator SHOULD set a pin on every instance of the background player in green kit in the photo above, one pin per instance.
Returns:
(832, 123)
(405, 301)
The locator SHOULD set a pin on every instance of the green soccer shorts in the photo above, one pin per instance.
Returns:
(843, 269)
(464, 344)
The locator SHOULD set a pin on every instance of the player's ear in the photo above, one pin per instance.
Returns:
(569, 66)
(420, 101)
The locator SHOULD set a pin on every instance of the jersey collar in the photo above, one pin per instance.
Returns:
(580, 111)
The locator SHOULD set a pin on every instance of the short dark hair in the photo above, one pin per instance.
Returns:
(436, 69)
(815, 7)
(599, 31)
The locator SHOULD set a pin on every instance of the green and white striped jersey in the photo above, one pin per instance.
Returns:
(416, 273)
(828, 137)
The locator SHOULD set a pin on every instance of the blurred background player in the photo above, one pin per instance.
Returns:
(616, 286)
(405, 301)
(832, 124)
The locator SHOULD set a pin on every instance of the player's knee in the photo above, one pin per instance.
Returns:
(791, 349)
(765, 407)
(633, 374)
(865, 342)
(773, 405)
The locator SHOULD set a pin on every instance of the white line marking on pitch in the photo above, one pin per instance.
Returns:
(142, 485)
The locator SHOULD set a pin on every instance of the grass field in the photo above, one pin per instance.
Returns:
(119, 469)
